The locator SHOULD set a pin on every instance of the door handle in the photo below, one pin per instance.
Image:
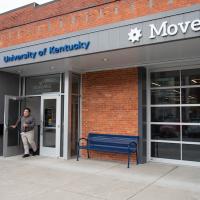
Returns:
(6, 126)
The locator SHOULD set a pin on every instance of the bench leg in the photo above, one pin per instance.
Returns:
(137, 157)
(77, 157)
(88, 154)
(128, 160)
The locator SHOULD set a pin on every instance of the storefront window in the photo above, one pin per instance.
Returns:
(175, 115)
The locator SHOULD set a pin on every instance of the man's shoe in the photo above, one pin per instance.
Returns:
(25, 155)
(30, 151)
(35, 153)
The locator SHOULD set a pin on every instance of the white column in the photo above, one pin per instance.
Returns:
(67, 118)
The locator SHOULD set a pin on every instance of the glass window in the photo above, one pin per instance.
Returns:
(50, 112)
(49, 129)
(165, 114)
(165, 79)
(191, 77)
(191, 114)
(49, 138)
(42, 84)
(191, 133)
(75, 109)
(166, 150)
(75, 84)
(12, 134)
(171, 96)
(191, 95)
(74, 124)
(165, 132)
(191, 152)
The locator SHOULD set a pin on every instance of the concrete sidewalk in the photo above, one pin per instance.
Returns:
(39, 178)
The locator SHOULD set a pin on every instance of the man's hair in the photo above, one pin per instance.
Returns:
(29, 110)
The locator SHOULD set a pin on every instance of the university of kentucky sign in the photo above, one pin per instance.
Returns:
(51, 50)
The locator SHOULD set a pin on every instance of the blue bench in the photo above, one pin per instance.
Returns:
(109, 143)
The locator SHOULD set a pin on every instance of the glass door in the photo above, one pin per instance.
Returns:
(50, 126)
(11, 139)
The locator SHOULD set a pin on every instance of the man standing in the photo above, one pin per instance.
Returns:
(27, 132)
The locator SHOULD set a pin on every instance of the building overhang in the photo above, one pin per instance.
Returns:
(170, 37)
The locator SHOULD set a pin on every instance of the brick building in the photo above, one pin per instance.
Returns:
(127, 67)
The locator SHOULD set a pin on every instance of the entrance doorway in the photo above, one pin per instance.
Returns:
(46, 110)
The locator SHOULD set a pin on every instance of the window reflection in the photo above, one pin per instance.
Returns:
(165, 132)
(165, 114)
(191, 95)
(191, 77)
(42, 84)
(165, 150)
(75, 84)
(191, 114)
(164, 79)
(191, 152)
(165, 96)
(191, 133)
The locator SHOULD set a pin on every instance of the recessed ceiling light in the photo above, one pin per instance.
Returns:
(156, 84)
(194, 81)
(19, 71)
(105, 59)
(52, 67)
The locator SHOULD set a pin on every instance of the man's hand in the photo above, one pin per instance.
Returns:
(13, 126)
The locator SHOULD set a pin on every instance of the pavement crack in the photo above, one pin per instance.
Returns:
(150, 184)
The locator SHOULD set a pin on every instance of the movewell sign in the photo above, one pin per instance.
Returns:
(172, 29)
(165, 29)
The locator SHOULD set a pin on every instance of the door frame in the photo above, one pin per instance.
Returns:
(47, 151)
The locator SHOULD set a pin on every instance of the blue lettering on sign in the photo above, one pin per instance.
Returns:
(51, 51)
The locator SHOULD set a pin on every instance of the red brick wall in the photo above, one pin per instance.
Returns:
(34, 12)
(110, 105)
(64, 16)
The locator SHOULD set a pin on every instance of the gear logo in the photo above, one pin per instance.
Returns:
(135, 35)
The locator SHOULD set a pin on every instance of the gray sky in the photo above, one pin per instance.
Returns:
(6, 5)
